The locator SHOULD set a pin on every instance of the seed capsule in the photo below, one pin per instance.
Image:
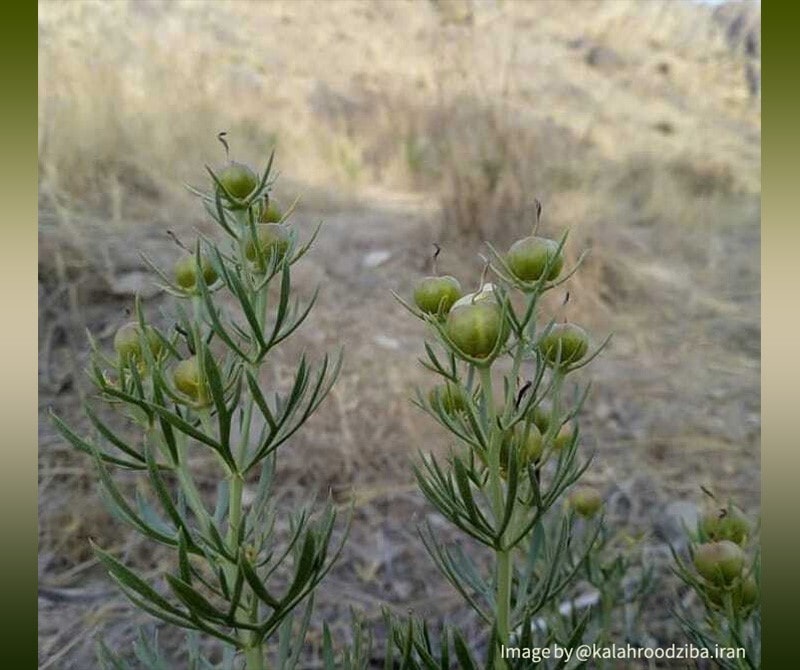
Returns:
(450, 397)
(186, 272)
(238, 180)
(272, 238)
(437, 295)
(476, 328)
(728, 523)
(563, 438)
(186, 376)
(271, 213)
(586, 501)
(748, 592)
(569, 340)
(719, 562)
(127, 343)
(529, 257)
(530, 449)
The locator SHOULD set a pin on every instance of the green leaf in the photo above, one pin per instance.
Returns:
(256, 584)
(82, 445)
(109, 435)
(255, 392)
(128, 579)
(194, 601)
(463, 654)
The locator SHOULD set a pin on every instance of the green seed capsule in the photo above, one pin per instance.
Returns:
(477, 328)
(586, 501)
(529, 257)
(271, 213)
(272, 238)
(436, 295)
(728, 523)
(541, 417)
(238, 180)
(748, 592)
(569, 340)
(449, 396)
(563, 438)
(530, 449)
(186, 272)
(719, 562)
(127, 345)
(186, 376)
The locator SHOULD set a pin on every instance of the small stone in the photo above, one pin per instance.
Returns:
(386, 342)
(375, 258)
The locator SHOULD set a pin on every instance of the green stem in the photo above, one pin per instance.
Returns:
(502, 558)
(504, 574)
(493, 457)
(254, 658)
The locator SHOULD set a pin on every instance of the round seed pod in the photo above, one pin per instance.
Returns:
(728, 523)
(127, 341)
(436, 295)
(476, 328)
(186, 377)
(530, 257)
(271, 238)
(450, 397)
(719, 562)
(186, 272)
(571, 340)
(586, 501)
(238, 179)
(530, 449)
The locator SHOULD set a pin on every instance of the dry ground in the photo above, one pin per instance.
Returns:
(401, 124)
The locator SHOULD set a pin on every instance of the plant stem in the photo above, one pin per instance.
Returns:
(502, 558)
(234, 510)
(504, 573)
(254, 658)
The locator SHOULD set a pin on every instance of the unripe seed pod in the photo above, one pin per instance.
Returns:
(476, 328)
(529, 257)
(726, 524)
(239, 180)
(530, 449)
(586, 501)
(436, 295)
(743, 594)
(271, 213)
(186, 376)
(572, 340)
(719, 562)
(450, 397)
(126, 341)
(541, 417)
(563, 438)
(748, 592)
(272, 238)
(186, 272)
(485, 293)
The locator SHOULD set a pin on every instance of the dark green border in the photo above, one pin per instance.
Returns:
(18, 390)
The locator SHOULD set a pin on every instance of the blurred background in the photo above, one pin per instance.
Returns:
(400, 124)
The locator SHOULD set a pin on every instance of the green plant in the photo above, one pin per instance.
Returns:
(724, 572)
(518, 455)
(195, 387)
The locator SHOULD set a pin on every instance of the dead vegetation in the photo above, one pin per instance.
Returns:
(401, 124)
